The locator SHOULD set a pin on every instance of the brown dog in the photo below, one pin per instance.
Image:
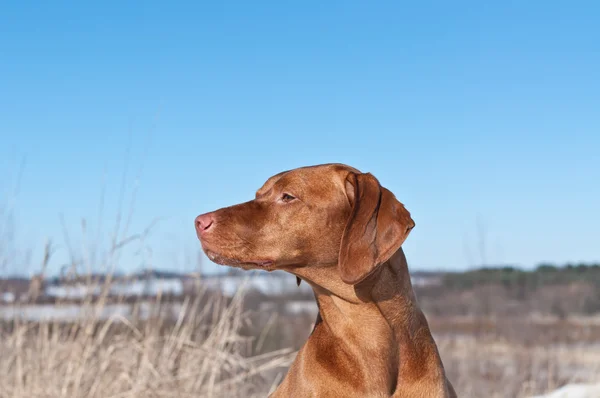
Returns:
(341, 231)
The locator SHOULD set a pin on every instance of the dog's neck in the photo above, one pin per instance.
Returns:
(389, 289)
(383, 316)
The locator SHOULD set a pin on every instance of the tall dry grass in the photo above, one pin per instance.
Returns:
(198, 353)
(204, 349)
(481, 366)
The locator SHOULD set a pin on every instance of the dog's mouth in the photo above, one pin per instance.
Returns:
(214, 252)
(234, 262)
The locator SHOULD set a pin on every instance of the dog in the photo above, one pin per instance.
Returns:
(340, 231)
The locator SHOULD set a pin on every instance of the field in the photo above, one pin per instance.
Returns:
(501, 332)
(517, 357)
(209, 345)
(198, 351)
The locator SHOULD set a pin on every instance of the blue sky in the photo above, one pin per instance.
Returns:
(482, 118)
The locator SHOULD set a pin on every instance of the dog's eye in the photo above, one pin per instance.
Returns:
(286, 197)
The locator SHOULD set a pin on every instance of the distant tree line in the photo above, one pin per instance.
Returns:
(546, 289)
(513, 277)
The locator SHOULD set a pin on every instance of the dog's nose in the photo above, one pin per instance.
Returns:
(204, 222)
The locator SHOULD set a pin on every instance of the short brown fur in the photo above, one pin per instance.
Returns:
(340, 231)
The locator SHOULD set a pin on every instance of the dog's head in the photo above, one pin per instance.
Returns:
(310, 217)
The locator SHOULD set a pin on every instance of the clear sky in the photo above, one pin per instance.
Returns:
(482, 117)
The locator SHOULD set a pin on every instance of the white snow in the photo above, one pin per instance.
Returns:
(574, 391)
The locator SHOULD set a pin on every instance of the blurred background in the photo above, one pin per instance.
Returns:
(121, 122)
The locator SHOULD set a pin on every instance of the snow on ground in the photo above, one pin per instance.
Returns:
(574, 391)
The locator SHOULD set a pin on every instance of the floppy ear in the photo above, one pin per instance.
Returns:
(377, 227)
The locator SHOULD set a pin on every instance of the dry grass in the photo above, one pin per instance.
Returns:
(517, 357)
(213, 348)
(480, 367)
(202, 352)
(199, 354)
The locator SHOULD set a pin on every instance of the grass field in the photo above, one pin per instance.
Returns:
(212, 346)
(200, 352)
(218, 348)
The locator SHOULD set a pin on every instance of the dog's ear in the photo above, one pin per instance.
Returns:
(377, 227)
